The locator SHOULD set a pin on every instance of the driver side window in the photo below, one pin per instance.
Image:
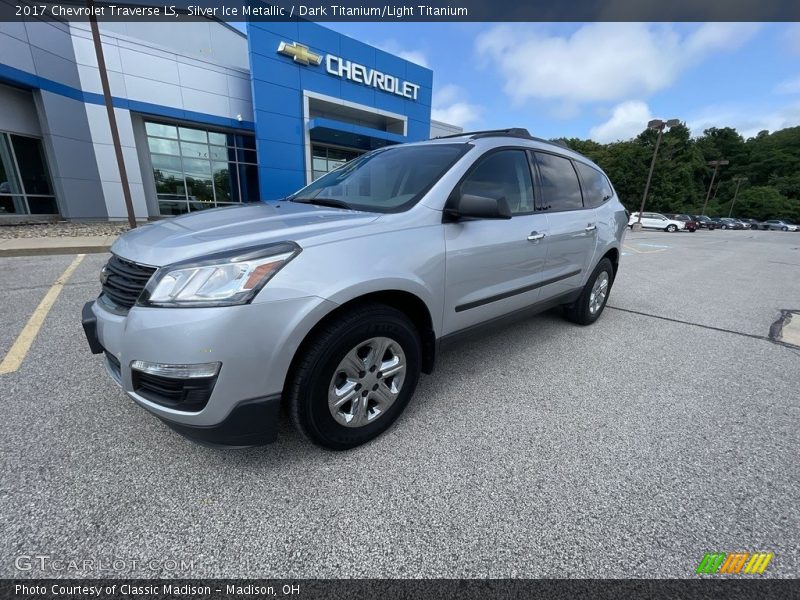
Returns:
(504, 174)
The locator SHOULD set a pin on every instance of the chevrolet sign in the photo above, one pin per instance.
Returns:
(339, 67)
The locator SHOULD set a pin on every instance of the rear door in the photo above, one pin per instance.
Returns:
(494, 266)
(572, 234)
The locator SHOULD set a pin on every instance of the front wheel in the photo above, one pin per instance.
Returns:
(590, 304)
(724, 227)
(784, 229)
(354, 377)
(671, 228)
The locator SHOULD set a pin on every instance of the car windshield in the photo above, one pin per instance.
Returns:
(387, 180)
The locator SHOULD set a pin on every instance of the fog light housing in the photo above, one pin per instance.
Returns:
(194, 371)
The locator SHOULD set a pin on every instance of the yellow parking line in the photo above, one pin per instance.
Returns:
(632, 249)
(22, 344)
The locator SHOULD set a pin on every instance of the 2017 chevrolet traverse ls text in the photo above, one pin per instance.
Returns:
(333, 300)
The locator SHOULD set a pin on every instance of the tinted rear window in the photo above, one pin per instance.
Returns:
(596, 188)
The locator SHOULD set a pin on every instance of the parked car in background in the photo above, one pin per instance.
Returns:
(704, 222)
(779, 225)
(688, 222)
(751, 223)
(727, 223)
(730, 223)
(652, 220)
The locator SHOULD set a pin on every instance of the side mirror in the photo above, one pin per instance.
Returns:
(479, 207)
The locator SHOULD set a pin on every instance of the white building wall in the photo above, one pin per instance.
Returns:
(142, 72)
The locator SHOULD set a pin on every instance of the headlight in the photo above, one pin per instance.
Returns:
(221, 279)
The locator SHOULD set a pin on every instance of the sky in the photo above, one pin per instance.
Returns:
(602, 81)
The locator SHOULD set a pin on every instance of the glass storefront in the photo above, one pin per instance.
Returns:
(25, 186)
(196, 169)
(327, 158)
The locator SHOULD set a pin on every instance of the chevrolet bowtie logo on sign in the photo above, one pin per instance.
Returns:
(734, 563)
(339, 67)
(299, 53)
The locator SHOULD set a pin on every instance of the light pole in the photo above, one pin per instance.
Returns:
(657, 125)
(738, 181)
(716, 164)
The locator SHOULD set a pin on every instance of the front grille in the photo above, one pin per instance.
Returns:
(190, 395)
(124, 281)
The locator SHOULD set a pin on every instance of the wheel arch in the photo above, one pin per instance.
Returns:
(613, 255)
(408, 303)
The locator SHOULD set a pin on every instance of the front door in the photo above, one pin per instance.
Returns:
(494, 266)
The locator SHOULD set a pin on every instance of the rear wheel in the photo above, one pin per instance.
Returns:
(355, 377)
(590, 304)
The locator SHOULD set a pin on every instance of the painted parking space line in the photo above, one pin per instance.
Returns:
(655, 248)
(19, 350)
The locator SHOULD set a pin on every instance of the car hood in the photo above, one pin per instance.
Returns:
(202, 233)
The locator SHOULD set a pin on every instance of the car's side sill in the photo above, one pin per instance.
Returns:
(515, 292)
(516, 315)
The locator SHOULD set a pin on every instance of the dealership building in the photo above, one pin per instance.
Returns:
(207, 115)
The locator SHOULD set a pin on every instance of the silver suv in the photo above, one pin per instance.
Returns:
(331, 301)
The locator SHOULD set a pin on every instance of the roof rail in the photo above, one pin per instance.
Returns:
(518, 132)
(511, 132)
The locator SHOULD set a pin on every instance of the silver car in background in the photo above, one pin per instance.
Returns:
(332, 301)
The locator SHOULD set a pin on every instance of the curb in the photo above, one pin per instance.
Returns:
(55, 250)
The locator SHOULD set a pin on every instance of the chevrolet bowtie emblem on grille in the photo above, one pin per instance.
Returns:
(299, 53)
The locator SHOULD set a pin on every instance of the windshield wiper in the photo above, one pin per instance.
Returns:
(333, 203)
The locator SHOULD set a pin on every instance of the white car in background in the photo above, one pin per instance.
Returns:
(652, 220)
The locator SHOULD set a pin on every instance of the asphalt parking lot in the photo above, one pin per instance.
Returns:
(630, 448)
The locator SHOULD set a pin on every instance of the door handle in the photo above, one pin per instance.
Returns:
(591, 227)
(535, 236)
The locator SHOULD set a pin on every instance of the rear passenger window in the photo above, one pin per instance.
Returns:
(560, 187)
(596, 188)
(503, 174)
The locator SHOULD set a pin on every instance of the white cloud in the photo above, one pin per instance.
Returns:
(628, 119)
(601, 61)
(450, 106)
(789, 86)
(747, 122)
(393, 47)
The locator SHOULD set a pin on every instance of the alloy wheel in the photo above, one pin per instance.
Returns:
(367, 382)
(599, 292)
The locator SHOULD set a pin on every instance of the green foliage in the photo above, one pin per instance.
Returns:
(769, 162)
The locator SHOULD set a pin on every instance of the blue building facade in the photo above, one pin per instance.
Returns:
(315, 90)
(208, 116)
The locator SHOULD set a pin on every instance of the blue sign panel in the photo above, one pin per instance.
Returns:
(292, 63)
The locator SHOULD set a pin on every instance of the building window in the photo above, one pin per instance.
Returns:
(25, 186)
(327, 158)
(196, 169)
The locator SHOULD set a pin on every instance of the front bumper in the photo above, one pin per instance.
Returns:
(254, 343)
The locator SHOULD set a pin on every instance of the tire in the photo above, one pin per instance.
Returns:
(693, 230)
(671, 228)
(724, 227)
(784, 229)
(580, 311)
(327, 369)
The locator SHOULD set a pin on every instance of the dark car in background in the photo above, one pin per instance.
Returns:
(727, 223)
(688, 221)
(704, 222)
